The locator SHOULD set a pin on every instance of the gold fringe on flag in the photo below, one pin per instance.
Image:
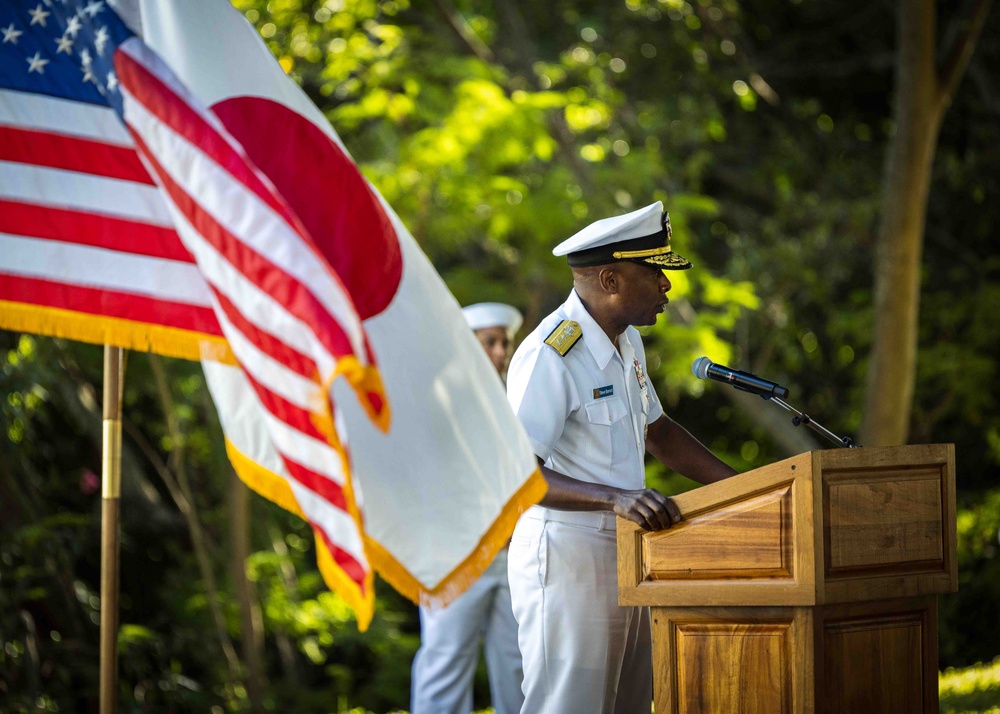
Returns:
(117, 332)
(366, 381)
(362, 602)
(474, 565)
(276, 489)
(267, 483)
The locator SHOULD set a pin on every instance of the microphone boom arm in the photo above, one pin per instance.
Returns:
(802, 418)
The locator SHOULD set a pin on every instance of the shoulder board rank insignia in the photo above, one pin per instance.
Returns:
(564, 336)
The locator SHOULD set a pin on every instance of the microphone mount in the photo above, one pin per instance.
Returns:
(802, 418)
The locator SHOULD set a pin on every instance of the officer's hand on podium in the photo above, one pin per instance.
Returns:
(647, 507)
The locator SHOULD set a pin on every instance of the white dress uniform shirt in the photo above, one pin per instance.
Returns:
(585, 414)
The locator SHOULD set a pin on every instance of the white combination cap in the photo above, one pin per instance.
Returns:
(493, 314)
(642, 236)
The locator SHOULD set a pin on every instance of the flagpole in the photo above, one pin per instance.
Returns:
(111, 466)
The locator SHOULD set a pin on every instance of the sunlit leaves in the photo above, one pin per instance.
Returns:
(20, 405)
(326, 48)
(584, 116)
(971, 689)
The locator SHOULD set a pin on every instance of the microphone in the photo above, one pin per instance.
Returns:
(704, 368)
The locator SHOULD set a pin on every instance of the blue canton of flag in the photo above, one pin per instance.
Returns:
(62, 48)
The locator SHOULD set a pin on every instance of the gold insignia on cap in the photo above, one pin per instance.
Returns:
(620, 254)
(564, 336)
(669, 261)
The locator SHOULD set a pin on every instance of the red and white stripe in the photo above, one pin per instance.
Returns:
(266, 441)
(83, 228)
(287, 317)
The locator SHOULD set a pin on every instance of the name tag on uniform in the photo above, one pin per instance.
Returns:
(604, 391)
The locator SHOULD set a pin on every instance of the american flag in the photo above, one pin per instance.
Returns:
(129, 212)
(89, 244)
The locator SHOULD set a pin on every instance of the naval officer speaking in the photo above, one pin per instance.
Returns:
(579, 386)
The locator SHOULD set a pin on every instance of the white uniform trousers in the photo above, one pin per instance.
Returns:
(445, 664)
(581, 651)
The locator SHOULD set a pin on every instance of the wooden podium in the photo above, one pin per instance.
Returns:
(808, 585)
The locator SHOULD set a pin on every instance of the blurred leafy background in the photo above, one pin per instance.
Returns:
(495, 130)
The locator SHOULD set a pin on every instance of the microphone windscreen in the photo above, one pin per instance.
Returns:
(700, 367)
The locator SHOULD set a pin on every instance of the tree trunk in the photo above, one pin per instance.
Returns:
(286, 648)
(924, 91)
(183, 496)
(250, 616)
(891, 376)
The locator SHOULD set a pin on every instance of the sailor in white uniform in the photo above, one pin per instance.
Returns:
(445, 664)
(580, 387)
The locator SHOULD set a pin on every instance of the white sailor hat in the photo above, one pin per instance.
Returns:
(493, 314)
(641, 236)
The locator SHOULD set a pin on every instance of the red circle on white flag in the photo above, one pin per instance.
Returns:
(327, 192)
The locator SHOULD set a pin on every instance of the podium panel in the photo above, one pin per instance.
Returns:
(804, 586)
(748, 539)
(888, 522)
(731, 659)
(877, 656)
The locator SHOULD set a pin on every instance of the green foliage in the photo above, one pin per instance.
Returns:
(495, 132)
(973, 689)
(976, 606)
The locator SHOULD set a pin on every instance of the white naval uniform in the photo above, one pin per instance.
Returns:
(586, 415)
(445, 664)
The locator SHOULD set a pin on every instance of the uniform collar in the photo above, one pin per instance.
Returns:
(625, 347)
(595, 338)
